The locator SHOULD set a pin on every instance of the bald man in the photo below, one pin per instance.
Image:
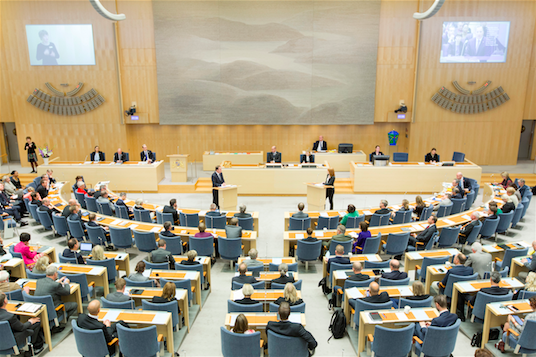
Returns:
(120, 156)
(273, 156)
(463, 183)
(90, 321)
(373, 295)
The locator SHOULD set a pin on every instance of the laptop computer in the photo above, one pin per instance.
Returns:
(85, 248)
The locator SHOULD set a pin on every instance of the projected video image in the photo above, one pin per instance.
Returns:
(60, 45)
(468, 42)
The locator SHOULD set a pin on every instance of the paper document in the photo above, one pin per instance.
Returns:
(396, 208)
(116, 222)
(319, 233)
(277, 261)
(29, 307)
(421, 163)
(319, 184)
(123, 223)
(367, 213)
(202, 213)
(87, 162)
(147, 273)
(300, 236)
(295, 317)
(449, 222)
(190, 275)
(401, 316)
(466, 217)
(133, 226)
(111, 315)
(354, 293)
(156, 229)
(342, 274)
(420, 315)
(237, 294)
(324, 214)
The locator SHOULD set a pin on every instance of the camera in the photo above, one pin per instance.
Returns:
(402, 109)
(131, 111)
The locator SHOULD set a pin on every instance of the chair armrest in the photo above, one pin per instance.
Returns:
(441, 285)
(262, 343)
(117, 267)
(513, 332)
(61, 307)
(417, 267)
(419, 243)
(416, 339)
(370, 337)
(367, 221)
(463, 235)
(352, 311)
(113, 342)
(384, 241)
(295, 246)
(160, 338)
(316, 223)
(497, 259)
(91, 283)
(340, 291)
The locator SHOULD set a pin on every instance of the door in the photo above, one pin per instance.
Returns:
(525, 142)
(10, 133)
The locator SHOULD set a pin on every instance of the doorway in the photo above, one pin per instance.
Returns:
(10, 134)
(525, 142)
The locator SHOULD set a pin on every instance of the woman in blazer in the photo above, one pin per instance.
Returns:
(330, 181)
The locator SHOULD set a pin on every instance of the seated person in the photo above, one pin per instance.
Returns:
(76, 214)
(81, 187)
(456, 193)
(523, 188)
(97, 155)
(395, 273)
(357, 267)
(405, 207)
(167, 230)
(339, 237)
(191, 254)
(283, 277)
(338, 258)
(214, 211)
(168, 294)
(463, 184)
(15, 180)
(247, 291)
(97, 253)
(291, 329)
(516, 325)
(432, 156)
(242, 278)
(120, 156)
(50, 285)
(99, 192)
(424, 237)
(444, 319)
(233, 230)
(418, 292)
(241, 325)
(494, 204)
(290, 295)
(511, 192)
(28, 195)
(375, 153)
(23, 247)
(307, 158)
(359, 242)
(373, 295)
(72, 251)
(507, 181)
(530, 285)
(494, 289)
(529, 263)
(242, 212)
(42, 188)
(508, 204)
(138, 275)
(202, 233)
(383, 207)
(252, 261)
(5, 285)
(310, 237)
(444, 202)
(320, 145)
(146, 155)
(172, 208)
(351, 213)
(419, 207)
(67, 209)
(273, 156)
(121, 202)
(139, 204)
(93, 223)
(467, 228)
(41, 265)
(459, 268)
(104, 200)
(119, 294)
(300, 213)
(46, 207)
(480, 261)
(34, 200)
(161, 255)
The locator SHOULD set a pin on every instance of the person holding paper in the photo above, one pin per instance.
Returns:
(480, 261)
(423, 237)
(444, 319)
(161, 255)
(432, 156)
(320, 145)
(217, 181)
(97, 155)
(119, 295)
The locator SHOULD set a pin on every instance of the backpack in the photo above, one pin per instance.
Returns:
(476, 341)
(324, 284)
(337, 326)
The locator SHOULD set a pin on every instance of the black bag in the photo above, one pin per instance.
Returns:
(324, 284)
(337, 325)
(534, 190)
(476, 341)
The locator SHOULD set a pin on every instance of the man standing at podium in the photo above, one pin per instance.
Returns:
(217, 181)
(320, 145)
(273, 156)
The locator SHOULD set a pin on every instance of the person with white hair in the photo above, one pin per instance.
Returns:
(242, 212)
(480, 261)
(5, 285)
(523, 188)
(508, 204)
(252, 261)
(467, 228)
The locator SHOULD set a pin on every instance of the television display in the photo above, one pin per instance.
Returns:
(474, 42)
(61, 45)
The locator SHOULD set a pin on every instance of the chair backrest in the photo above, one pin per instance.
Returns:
(246, 223)
(76, 228)
(276, 286)
(416, 303)
(13, 253)
(14, 295)
(361, 305)
(145, 241)
(109, 264)
(203, 246)
(346, 245)
(400, 157)
(328, 222)
(402, 217)
(527, 339)
(80, 279)
(217, 222)
(121, 212)
(91, 204)
(185, 284)
(512, 253)
(89, 343)
(121, 237)
(45, 300)
(505, 219)
(357, 284)
(393, 342)
(238, 286)
(45, 219)
(173, 244)
(440, 341)
(189, 219)
(474, 233)
(96, 235)
(284, 346)
(336, 266)
(67, 260)
(239, 344)
(453, 278)
(376, 265)
(482, 299)
(81, 198)
(470, 197)
(427, 261)
(107, 304)
(196, 267)
(390, 282)
(33, 211)
(163, 217)
(489, 227)
(8, 344)
(171, 306)
(308, 251)
(517, 214)
(31, 275)
(458, 156)
(379, 219)
(143, 284)
(236, 307)
(459, 205)
(353, 222)
(159, 266)
(138, 342)
(230, 248)
(294, 308)
(448, 236)
(104, 208)
(426, 213)
(525, 202)
(299, 224)
(145, 216)
(60, 224)
(397, 243)
(445, 210)
(372, 244)
(275, 267)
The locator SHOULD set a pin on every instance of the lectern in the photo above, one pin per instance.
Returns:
(227, 197)
(179, 167)
(316, 196)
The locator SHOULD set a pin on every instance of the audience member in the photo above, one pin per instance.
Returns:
(51, 285)
(480, 261)
(310, 237)
(104, 200)
(530, 285)
(383, 207)
(374, 295)
(463, 183)
(424, 237)
(340, 236)
(242, 278)
(395, 273)
(41, 265)
(247, 291)
(72, 251)
(15, 179)
(119, 294)
(507, 181)
(290, 295)
(202, 233)
(300, 213)
(467, 228)
(241, 325)
(5, 285)
(359, 242)
(283, 275)
(459, 268)
(508, 204)
(75, 215)
(492, 212)
(46, 207)
(518, 324)
(172, 208)
(357, 267)
(351, 213)
(242, 212)
(23, 247)
(523, 188)
(338, 258)
(482, 352)
(444, 202)
(457, 193)
(529, 263)
(42, 188)
(494, 289)
(418, 292)
(191, 254)
(161, 255)
(139, 204)
(138, 274)
(432, 156)
(81, 188)
(97, 253)
(419, 207)
(511, 192)
(167, 230)
(67, 209)
(444, 319)
(214, 211)
(252, 261)
(168, 294)
(233, 230)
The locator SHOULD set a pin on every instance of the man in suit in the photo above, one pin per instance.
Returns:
(463, 183)
(161, 255)
(233, 230)
(242, 212)
(50, 285)
(21, 331)
(456, 193)
(425, 235)
(523, 189)
(97, 155)
(374, 295)
(320, 145)
(291, 329)
(300, 213)
(42, 188)
(90, 321)
(167, 230)
(459, 268)
(67, 209)
(252, 261)
(242, 278)
(477, 45)
(172, 208)
(100, 192)
(75, 214)
(72, 251)
(480, 261)
(339, 237)
(310, 237)
(529, 263)
(47, 207)
(357, 267)
(467, 228)
(121, 202)
(273, 156)
(8, 207)
(383, 207)
(338, 258)
(119, 295)
(283, 277)
(444, 319)
(214, 211)
(395, 273)
(217, 181)
(120, 156)
(105, 200)
(146, 155)
(494, 289)
(5, 285)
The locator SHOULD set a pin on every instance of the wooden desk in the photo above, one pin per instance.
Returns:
(340, 276)
(129, 176)
(25, 316)
(353, 258)
(248, 158)
(267, 261)
(474, 286)
(48, 250)
(227, 197)
(498, 252)
(264, 296)
(431, 176)
(161, 319)
(268, 276)
(517, 266)
(259, 320)
(181, 275)
(390, 318)
(340, 162)
(74, 296)
(415, 258)
(434, 273)
(148, 293)
(497, 314)
(16, 267)
(122, 260)
(95, 273)
(207, 265)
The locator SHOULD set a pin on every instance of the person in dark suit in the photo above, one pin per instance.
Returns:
(21, 331)
(75, 213)
(146, 155)
(508, 204)
(463, 184)
(310, 237)
(67, 209)
(523, 188)
(119, 294)
(273, 156)
(425, 235)
(307, 158)
(444, 319)
(357, 267)
(121, 202)
(168, 294)
(330, 191)
(242, 212)
(35, 200)
(72, 251)
(395, 273)
(477, 46)
(456, 193)
(383, 207)
(492, 212)
(494, 289)
(300, 213)
(120, 156)
(375, 296)
(283, 277)
(247, 291)
(97, 155)
(338, 258)
(376, 152)
(161, 255)
(42, 188)
(242, 278)
(217, 181)
(458, 269)
(467, 228)
(191, 254)
(90, 321)
(167, 230)
(432, 156)
(49, 285)
(233, 230)
(46, 206)
(172, 208)
(291, 329)
(320, 145)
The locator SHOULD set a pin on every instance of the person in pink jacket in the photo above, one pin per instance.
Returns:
(23, 247)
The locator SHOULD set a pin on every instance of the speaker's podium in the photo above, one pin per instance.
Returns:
(178, 165)
(316, 196)
(227, 197)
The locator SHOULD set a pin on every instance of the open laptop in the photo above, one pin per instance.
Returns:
(85, 248)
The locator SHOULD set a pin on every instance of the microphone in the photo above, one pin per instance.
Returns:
(85, 158)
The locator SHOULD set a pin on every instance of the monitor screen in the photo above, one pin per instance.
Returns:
(473, 42)
(86, 247)
(60, 45)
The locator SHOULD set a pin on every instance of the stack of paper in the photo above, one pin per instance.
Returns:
(133, 226)
(156, 229)
(29, 307)
(237, 294)
(319, 233)
(299, 236)
(116, 222)
(324, 214)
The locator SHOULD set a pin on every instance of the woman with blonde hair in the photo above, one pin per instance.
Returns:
(507, 181)
(241, 325)
(247, 291)
(168, 294)
(330, 181)
(418, 291)
(41, 265)
(530, 285)
(290, 295)
(97, 253)
(420, 205)
(192, 254)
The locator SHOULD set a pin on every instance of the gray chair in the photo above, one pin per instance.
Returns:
(97, 235)
(453, 278)
(276, 286)
(8, 344)
(489, 227)
(230, 249)
(444, 210)
(376, 265)
(217, 222)
(173, 244)
(87, 290)
(142, 215)
(80, 197)
(141, 284)
(308, 251)
(517, 214)
(67, 260)
(420, 272)
(396, 244)
(196, 267)
(239, 344)
(121, 212)
(15, 295)
(372, 244)
(203, 246)
(158, 266)
(458, 205)
(138, 342)
(379, 219)
(353, 222)
(392, 342)
(400, 157)
(402, 217)
(91, 204)
(416, 303)
(439, 341)
(121, 237)
(189, 219)
(246, 223)
(524, 343)
(145, 241)
(299, 224)
(236, 307)
(76, 229)
(52, 311)
(60, 225)
(89, 343)
(458, 156)
(275, 267)
(508, 255)
(391, 282)
(31, 275)
(426, 213)
(482, 300)
(162, 217)
(470, 198)
(360, 305)
(294, 308)
(328, 222)
(104, 208)
(284, 346)
(33, 211)
(448, 237)
(256, 286)
(505, 219)
(127, 305)
(45, 219)
(346, 245)
(110, 266)
(474, 234)
(171, 307)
